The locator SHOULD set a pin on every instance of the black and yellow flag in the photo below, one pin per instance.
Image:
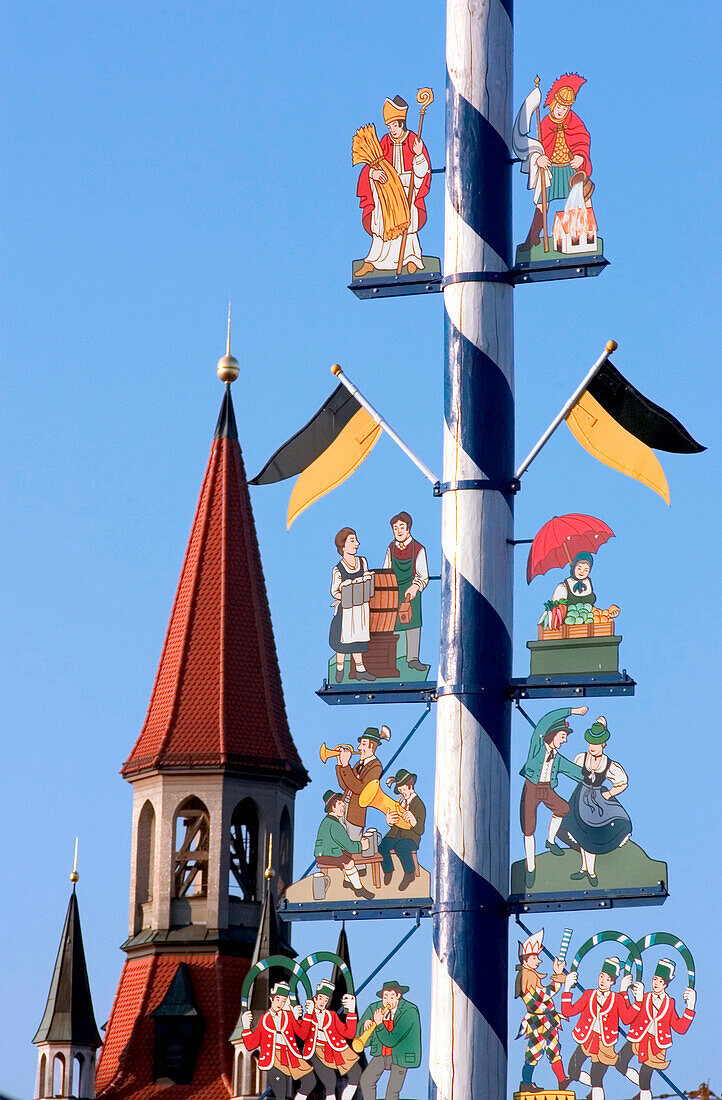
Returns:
(324, 453)
(620, 426)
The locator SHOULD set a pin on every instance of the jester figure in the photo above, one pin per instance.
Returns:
(559, 158)
(542, 1022)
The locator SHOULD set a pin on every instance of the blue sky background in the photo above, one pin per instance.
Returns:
(157, 158)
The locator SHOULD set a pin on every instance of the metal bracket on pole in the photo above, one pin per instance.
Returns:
(477, 277)
(511, 486)
(520, 708)
(461, 688)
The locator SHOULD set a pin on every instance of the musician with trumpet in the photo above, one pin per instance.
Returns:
(353, 779)
(392, 1028)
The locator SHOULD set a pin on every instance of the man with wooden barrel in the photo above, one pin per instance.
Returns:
(407, 558)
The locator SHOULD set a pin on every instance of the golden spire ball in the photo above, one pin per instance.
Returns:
(227, 369)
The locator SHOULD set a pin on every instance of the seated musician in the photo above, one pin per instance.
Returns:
(335, 848)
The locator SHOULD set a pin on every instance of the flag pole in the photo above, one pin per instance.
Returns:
(352, 389)
(545, 203)
(561, 415)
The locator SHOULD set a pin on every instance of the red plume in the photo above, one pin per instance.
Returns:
(566, 80)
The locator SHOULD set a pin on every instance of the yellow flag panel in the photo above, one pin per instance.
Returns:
(601, 435)
(337, 462)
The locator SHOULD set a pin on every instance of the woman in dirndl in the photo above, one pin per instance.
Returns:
(351, 588)
(597, 823)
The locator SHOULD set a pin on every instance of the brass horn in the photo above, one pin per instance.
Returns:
(326, 753)
(373, 796)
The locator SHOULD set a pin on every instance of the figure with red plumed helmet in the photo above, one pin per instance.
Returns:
(558, 159)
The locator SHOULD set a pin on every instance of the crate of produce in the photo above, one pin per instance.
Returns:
(603, 629)
(546, 635)
(578, 630)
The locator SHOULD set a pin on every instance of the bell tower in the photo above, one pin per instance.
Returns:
(214, 774)
(68, 1036)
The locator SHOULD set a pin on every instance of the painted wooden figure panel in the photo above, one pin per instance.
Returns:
(617, 1021)
(325, 1041)
(393, 184)
(371, 829)
(375, 629)
(575, 635)
(577, 798)
(558, 164)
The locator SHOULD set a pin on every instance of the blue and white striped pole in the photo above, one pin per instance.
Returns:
(470, 972)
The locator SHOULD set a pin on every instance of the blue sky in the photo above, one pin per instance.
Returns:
(157, 158)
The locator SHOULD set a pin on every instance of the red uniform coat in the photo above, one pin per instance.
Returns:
(653, 1028)
(265, 1036)
(338, 1031)
(365, 194)
(614, 1007)
(576, 134)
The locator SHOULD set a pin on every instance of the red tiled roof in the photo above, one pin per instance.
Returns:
(217, 698)
(125, 1068)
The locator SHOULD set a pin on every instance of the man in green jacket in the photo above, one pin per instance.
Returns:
(541, 775)
(334, 847)
(395, 1044)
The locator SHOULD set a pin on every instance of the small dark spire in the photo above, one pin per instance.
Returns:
(69, 1016)
(337, 977)
(179, 999)
(226, 426)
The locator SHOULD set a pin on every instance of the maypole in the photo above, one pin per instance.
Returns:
(469, 993)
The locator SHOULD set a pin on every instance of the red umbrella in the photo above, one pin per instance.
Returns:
(561, 539)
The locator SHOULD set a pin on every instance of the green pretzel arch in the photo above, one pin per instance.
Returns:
(634, 955)
(297, 975)
(669, 940)
(324, 956)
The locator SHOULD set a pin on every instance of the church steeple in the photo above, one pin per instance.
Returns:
(68, 1036)
(214, 772)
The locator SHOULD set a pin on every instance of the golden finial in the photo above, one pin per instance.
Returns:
(74, 876)
(227, 369)
(269, 872)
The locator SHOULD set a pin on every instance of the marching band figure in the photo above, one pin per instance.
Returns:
(541, 1023)
(326, 1038)
(407, 155)
(650, 1035)
(275, 1035)
(600, 1011)
(403, 841)
(407, 558)
(395, 1044)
